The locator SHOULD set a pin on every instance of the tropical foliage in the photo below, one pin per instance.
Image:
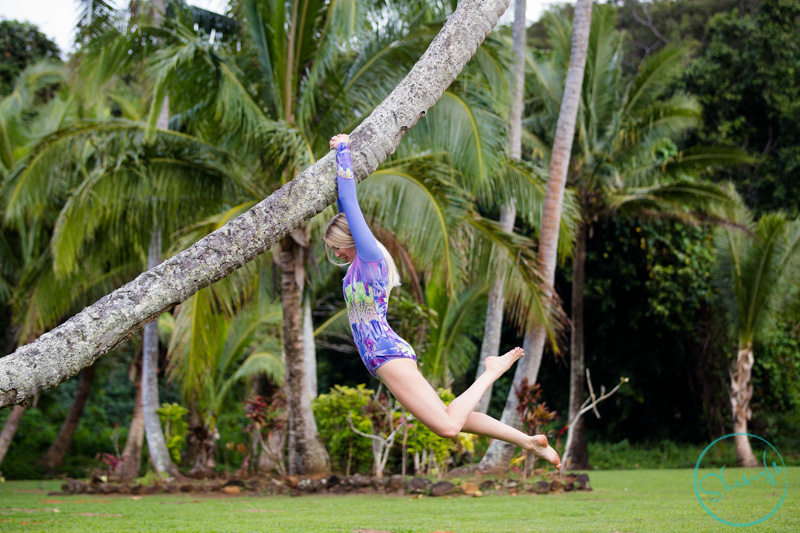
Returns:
(91, 168)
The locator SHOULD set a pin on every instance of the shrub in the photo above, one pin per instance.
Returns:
(349, 452)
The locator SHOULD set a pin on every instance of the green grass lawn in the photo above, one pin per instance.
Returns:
(640, 500)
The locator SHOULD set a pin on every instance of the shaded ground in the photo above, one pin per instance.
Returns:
(642, 501)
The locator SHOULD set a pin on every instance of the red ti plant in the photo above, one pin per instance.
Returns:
(267, 426)
(534, 414)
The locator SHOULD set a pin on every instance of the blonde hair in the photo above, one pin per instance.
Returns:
(337, 235)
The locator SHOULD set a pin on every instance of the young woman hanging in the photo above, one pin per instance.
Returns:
(370, 277)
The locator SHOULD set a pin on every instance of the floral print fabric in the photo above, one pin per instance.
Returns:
(366, 284)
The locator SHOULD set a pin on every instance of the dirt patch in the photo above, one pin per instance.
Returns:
(29, 491)
(76, 501)
(9, 510)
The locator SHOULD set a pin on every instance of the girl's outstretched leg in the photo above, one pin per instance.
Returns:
(481, 424)
(404, 380)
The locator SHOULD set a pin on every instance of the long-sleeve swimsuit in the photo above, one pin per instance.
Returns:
(366, 284)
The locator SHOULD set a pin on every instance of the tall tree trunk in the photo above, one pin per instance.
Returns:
(741, 394)
(494, 309)
(499, 453)
(58, 450)
(307, 454)
(578, 452)
(205, 445)
(62, 352)
(10, 429)
(309, 348)
(128, 469)
(156, 444)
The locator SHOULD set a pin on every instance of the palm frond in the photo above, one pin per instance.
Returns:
(655, 74)
(452, 347)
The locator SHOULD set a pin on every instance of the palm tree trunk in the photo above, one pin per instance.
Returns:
(10, 429)
(128, 469)
(741, 394)
(59, 354)
(307, 454)
(494, 314)
(156, 444)
(205, 444)
(58, 450)
(578, 452)
(494, 309)
(499, 453)
(309, 348)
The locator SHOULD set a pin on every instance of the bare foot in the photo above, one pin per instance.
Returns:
(540, 447)
(498, 365)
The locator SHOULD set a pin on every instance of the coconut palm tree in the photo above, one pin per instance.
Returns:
(114, 154)
(210, 351)
(256, 230)
(296, 125)
(625, 161)
(499, 454)
(757, 275)
(36, 299)
(490, 344)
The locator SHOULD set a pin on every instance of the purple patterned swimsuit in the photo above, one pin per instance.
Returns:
(366, 284)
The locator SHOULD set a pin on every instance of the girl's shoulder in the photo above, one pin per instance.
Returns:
(370, 270)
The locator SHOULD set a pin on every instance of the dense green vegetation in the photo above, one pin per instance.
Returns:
(680, 99)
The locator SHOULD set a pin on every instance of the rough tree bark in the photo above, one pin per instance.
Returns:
(578, 452)
(508, 212)
(307, 453)
(58, 450)
(128, 469)
(741, 394)
(499, 453)
(64, 351)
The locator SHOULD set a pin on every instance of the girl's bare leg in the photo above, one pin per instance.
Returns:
(404, 380)
(481, 424)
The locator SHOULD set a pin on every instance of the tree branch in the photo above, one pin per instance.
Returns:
(590, 404)
(61, 353)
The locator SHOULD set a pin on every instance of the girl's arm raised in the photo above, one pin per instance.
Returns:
(366, 245)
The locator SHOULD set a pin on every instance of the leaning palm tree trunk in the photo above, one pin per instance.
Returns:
(58, 450)
(10, 429)
(307, 454)
(64, 351)
(494, 309)
(741, 394)
(499, 453)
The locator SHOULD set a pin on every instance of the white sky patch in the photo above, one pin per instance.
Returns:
(533, 10)
(57, 18)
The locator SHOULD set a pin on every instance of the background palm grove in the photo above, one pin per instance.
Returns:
(678, 259)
